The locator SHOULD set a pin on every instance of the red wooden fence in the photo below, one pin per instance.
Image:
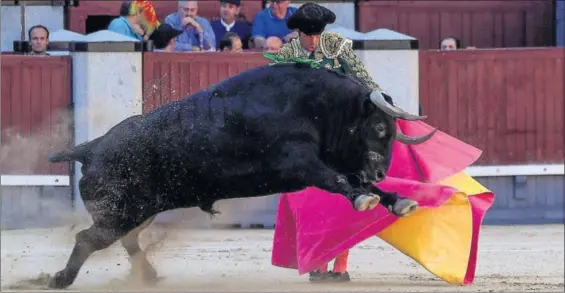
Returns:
(509, 103)
(171, 76)
(483, 24)
(36, 95)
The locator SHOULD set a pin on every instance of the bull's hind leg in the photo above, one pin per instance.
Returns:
(88, 241)
(107, 207)
(141, 269)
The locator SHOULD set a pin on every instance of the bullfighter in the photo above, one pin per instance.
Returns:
(333, 52)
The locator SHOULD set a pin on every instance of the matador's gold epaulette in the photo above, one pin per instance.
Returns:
(332, 44)
(286, 51)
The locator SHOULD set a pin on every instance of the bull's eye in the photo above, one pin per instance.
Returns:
(380, 130)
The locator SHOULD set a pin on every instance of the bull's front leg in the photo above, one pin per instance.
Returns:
(395, 204)
(303, 168)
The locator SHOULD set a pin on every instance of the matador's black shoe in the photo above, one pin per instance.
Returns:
(338, 277)
(317, 276)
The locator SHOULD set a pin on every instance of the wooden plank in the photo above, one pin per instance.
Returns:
(39, 90)
(517, 101)
(484, 24)
(176, 75)
(513, 101)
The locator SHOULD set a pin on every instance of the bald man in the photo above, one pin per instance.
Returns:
(273, 44)
(197, 33)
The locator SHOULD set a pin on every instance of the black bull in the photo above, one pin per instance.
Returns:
(268, 130)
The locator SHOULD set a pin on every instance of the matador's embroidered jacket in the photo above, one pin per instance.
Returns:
(334, 52)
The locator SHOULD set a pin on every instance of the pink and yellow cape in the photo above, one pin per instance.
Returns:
(314, 226)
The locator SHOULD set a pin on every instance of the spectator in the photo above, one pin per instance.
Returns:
(452, 43)
(39, 38)
(148, 17)
(128, 22)
(229, 22)
(231, 42)
(164, 38)
(271, 21)
(273, 45)
(197, 33)
(449, 44)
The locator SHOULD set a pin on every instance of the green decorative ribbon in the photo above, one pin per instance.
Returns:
(277, 59)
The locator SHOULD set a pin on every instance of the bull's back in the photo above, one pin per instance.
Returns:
(234, 120)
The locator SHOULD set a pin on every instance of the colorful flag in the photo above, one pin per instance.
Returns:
(148, 17)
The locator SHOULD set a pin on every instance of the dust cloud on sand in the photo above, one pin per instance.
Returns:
(25, 152)
(511, 259)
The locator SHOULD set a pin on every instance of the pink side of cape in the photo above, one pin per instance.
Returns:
(314, 226)
(480, 203)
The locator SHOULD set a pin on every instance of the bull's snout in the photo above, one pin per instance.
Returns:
(380, 175)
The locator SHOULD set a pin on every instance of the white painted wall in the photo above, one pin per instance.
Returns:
(396, 72)
(107, 88)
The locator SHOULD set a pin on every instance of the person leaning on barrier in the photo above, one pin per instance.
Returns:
(452, 44)
(164, 38)
(39, 40)
(231, 42)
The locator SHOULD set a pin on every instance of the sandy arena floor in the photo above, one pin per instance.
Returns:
(514, 259)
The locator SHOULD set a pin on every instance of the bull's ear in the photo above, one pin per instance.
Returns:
(368, 106)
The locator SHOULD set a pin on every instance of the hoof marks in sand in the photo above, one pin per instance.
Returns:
(40, 282)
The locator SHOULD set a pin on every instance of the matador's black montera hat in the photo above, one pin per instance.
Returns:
(310, 19)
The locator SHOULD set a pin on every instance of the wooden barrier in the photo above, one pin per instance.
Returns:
(508, 102)
(171, 76)
(36, 116)
(483, 24)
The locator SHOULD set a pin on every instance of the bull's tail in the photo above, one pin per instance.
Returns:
(78, 153)
(64, 156)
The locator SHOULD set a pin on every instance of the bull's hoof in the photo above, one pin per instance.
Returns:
(366, 202)
(403, 207)
(59, 281)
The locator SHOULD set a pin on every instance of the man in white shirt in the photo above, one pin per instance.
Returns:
(229, 12)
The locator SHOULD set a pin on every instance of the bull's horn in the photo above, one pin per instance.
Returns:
(379, 100)
(403, 138)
